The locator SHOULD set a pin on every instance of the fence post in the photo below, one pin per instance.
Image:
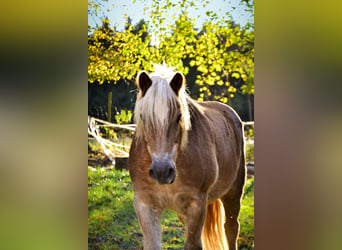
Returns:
(109, 106)
(249, 107)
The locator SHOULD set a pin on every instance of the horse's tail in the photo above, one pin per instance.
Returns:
(213, 234)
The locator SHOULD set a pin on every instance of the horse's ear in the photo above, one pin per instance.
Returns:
(177, 82)
(143, 82)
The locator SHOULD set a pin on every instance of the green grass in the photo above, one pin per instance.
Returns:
(246, 217)
(113, 224)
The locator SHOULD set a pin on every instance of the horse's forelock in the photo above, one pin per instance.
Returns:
(158, 106)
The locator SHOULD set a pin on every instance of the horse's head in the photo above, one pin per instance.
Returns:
(162, 118)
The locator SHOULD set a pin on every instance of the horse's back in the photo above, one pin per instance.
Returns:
(228, 113)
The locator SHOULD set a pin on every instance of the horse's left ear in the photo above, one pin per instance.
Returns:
(177, 82)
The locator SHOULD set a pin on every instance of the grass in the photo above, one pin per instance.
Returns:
(113, 224)
(246, 217)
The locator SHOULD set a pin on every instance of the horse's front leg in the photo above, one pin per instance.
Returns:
(194, 219)
(149, 222)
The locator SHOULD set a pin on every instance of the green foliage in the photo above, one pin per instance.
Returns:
(250, 132)
(221, 51)
(113, 224)
(123, 117)
(108, 133)
(250, 153)
(117, 55)
(249, 135)
(94, 7)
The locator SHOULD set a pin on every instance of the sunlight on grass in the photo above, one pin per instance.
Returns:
(246, 217)
(113, 224)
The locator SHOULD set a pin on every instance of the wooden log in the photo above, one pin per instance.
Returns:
(121, 163)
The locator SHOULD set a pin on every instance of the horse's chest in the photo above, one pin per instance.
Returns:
(164, 196)
(174, 198)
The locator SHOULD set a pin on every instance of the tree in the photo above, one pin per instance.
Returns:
(94, 6)
(221, 51)
(114, 55)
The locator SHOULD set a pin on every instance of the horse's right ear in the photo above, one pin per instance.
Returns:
(143, 82)
(177, 82)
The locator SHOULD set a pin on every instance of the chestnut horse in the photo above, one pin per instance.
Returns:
(187, 156)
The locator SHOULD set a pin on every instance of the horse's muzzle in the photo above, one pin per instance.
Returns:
(163, 171)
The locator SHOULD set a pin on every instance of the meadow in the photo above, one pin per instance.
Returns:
(113, 224)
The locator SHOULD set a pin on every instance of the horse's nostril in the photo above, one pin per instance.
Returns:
(163, 172)
(171, 171)
(151, 173)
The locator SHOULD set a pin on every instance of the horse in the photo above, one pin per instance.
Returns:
(186, 156)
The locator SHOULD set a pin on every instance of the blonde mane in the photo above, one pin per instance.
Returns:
(160, 103)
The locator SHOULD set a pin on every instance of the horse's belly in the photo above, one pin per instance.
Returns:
(217, 193)
(226, 177)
